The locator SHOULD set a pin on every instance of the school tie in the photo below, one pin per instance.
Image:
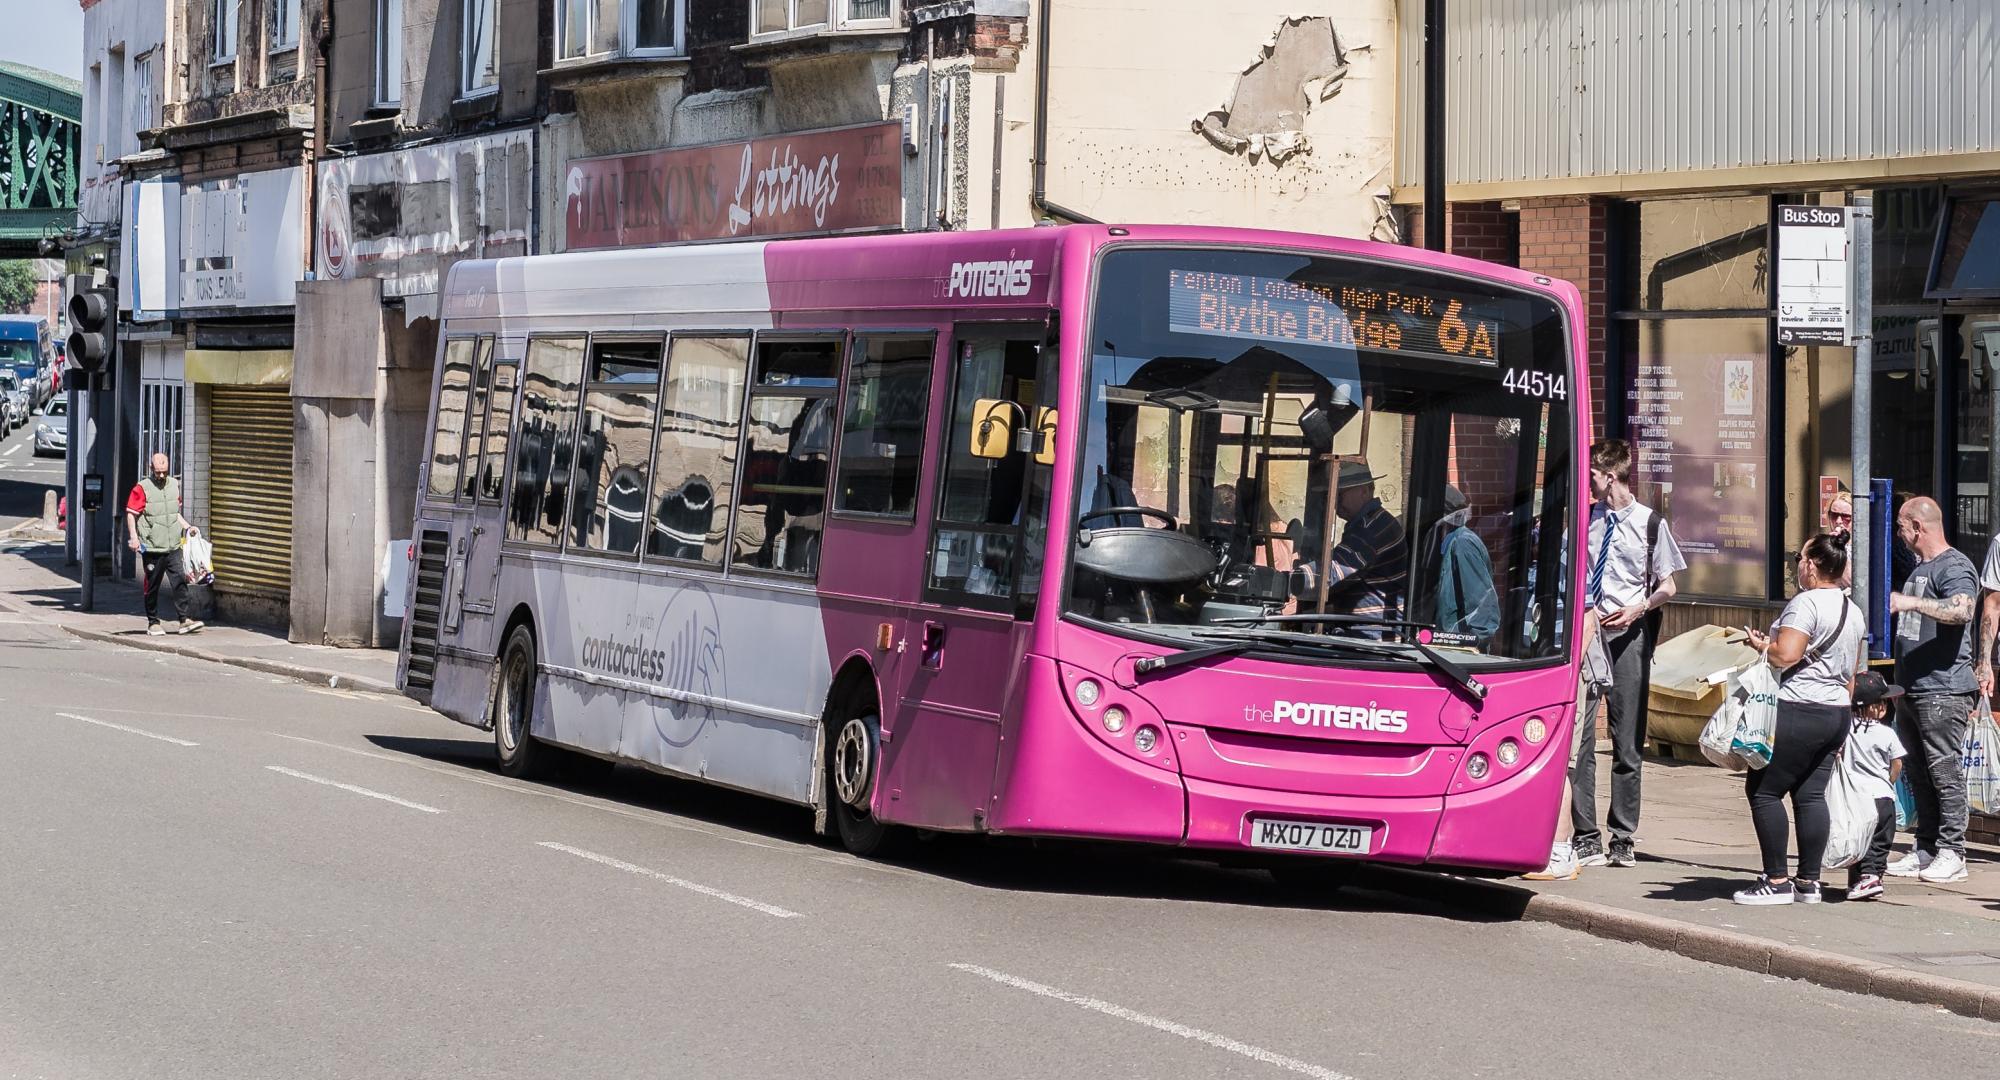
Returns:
(1596, 590)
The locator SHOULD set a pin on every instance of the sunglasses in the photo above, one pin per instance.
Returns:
(1838, 516)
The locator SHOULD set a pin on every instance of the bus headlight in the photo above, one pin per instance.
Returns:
(1114, 719)
(1535, 729)
(1145, 739)
(1476, 766)
(1509, 752)
(1086, 693)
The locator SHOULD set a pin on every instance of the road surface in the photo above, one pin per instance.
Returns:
(211, 873)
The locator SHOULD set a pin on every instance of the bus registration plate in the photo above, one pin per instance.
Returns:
(1310, 836)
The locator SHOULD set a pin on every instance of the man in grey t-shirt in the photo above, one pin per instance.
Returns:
(1934, 647)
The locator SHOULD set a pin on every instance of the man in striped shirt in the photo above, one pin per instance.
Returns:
(1369, 572)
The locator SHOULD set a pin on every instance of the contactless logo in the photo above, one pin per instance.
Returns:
(1369, 717)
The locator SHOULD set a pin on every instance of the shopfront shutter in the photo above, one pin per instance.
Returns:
(250, 488)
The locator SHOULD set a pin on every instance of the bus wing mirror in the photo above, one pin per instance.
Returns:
(1045, 436)
(993, 424)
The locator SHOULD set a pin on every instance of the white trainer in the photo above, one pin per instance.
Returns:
(1910, 865)
(1562, 865)
(1949, 866)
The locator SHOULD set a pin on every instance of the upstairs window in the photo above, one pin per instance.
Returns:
(388, 52)
(222, 30)
(479, 55)
(653, 27)
(284, 25)
(770, 18)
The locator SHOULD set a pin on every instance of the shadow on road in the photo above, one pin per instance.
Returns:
(1010, 864)
(1696, 890)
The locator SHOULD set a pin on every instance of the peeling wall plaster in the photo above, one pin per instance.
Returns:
(1303, 64)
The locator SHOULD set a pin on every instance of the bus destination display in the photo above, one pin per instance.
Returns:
(1333, 316)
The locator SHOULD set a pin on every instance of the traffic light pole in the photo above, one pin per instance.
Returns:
(86, 531)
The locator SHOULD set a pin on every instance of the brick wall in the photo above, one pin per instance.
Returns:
(1981, 829)
(1570, 238)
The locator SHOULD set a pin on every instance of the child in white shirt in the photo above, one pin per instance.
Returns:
(1876, 756)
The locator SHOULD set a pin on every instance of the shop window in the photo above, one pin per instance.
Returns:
(1700, 255)
(1700, 410)
(608, 511)
(448, 434)
(544, 438)
(787, 443)
(499, 421)
(694, 463)
(1968, 250)
(1906, 225)
(882, 427)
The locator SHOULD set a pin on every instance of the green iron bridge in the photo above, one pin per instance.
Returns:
(41, 123)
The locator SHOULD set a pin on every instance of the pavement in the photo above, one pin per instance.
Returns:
(231, 874)
(1925, 944)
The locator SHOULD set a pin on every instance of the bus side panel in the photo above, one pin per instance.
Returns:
(714, 679)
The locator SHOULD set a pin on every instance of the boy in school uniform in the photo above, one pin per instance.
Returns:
(1876, 756)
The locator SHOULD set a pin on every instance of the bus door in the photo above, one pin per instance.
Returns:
(491, 420)
(981, 575)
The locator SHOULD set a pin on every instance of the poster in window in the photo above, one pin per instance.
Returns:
(1702, 459)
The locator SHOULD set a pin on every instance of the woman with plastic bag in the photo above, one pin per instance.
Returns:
(1816, 647)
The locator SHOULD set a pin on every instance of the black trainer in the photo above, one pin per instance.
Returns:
(1764, 893)
(1589, 853)
(1808, 891)
(1622, 854)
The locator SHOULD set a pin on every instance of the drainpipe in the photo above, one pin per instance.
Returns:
(320, 131)
(1039, 197)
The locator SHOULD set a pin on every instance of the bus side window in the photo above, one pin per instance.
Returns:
(542, 441)
(499, 422)
(608, 509)
(981, 510)
(448, 437)
(694, 466)
(781, 501)
(882, 427)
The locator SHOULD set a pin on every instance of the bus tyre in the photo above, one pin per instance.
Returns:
(851, 768)
(514, 708)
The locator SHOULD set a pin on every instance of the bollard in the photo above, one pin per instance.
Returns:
(49, 509)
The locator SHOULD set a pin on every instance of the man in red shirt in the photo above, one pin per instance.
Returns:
(153, 529)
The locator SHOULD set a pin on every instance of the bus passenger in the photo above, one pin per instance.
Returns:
(1467, 603)
(1369, 572)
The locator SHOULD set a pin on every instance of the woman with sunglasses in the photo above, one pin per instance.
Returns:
(1817, 646)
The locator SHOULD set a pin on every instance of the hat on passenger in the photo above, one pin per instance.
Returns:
(1354, 472)
(1454, 499)
(1870, 688)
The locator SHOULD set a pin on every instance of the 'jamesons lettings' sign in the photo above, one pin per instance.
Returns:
(842, 180)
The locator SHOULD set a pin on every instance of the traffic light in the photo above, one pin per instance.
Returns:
(93, 323)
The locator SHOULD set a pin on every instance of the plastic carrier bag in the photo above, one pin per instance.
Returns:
(1906, 802)
(1739, 735)
(1982, 770)
(1852, 814)
(197, 556)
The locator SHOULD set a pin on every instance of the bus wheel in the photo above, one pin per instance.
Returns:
(514, 708)
(851, 769)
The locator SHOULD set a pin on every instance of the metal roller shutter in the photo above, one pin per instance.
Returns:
(250, 487)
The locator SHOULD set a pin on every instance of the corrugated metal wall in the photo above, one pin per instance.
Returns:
(250, 488)
(1541, 89)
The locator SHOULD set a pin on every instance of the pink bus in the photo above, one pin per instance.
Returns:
(1248, 543)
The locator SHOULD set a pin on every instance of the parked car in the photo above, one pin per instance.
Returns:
(52, 429)
(18, 402)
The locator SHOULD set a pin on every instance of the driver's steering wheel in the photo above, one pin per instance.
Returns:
(1142, 511)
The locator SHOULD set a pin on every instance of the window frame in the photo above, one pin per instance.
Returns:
(560, 24)
(584, 386)
(1952, 198)
(388, 89)
(513, 442)
(499, 361)
(466, 90)
(837, 21)
(628, 31)
(217, 37)
(1042, 332)
(841, 338)
(856, 345)
(279, 9)
(483, 351)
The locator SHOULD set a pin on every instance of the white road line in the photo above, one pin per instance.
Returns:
(1220, 1042)
(11, 451)
(681, 883)
(354, 789)
(129, 730)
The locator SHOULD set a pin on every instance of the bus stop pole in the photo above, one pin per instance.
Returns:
(1434, 125)
(1862, 287)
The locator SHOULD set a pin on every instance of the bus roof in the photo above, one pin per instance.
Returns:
(1011, 268)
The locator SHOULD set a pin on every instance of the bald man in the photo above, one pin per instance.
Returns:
(153, 530)
(1934, 650)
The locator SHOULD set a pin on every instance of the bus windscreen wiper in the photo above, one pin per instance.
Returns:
(1235, 641)
(1463, 678)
